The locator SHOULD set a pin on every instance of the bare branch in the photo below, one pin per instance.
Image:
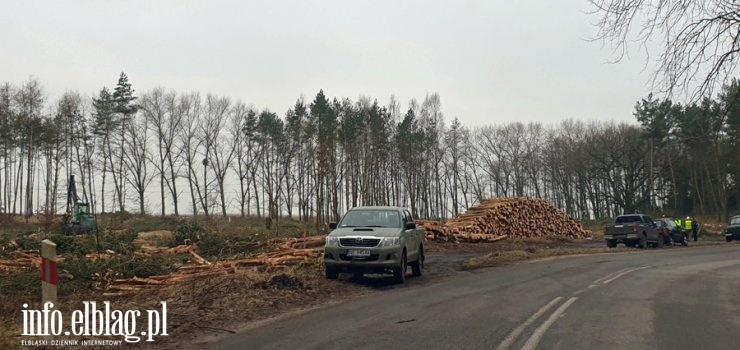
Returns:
(700, 40)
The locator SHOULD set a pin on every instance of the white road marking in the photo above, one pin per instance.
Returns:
(538, 333)
(536, 336)
(623, 273)
(518, 330)
(609, 276)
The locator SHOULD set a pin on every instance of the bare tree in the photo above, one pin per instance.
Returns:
(30, 99)
(190, 144)
(700, 39)
(137, 158)
(164, 116)
(453, 140)
(7, 137)
(219, 147)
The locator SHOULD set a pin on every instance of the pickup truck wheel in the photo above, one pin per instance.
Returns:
(331, 273)
(611, 244)
(729, 239)
(643, 242)
(399, 273)
(418, 265)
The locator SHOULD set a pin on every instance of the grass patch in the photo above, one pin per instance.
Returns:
(502, 258)
(710, 236)
(79, 245)
(26, 283)
(597, 226)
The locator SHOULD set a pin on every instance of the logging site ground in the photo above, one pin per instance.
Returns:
(221, 275)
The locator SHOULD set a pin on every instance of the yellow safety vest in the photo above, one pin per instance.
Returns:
(687, 224)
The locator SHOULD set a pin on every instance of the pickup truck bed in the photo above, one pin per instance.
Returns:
(633, 230)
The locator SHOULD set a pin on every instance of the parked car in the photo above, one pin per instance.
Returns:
(733, 229)
(633, 230)
(672, 233)
(375, 240)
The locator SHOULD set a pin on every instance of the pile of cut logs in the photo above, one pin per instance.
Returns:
(513, 217)
(433, 231)
(288, 252)
(498, 218)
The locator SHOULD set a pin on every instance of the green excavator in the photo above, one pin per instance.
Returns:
(77, 219)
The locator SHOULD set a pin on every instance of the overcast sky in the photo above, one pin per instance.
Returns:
(490, 61)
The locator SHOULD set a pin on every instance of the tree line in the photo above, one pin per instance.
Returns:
(219, 156)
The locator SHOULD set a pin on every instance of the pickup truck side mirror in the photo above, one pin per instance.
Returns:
(333, 225)
(410, 226)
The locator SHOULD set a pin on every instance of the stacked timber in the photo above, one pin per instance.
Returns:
(433, 231)
(497, 218)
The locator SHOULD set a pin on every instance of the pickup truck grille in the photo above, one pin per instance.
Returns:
(359, 242)
(372, 257)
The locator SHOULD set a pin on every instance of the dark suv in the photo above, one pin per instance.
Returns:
(671, 232)
(733, 229)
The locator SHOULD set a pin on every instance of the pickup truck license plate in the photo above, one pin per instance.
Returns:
(358, 252)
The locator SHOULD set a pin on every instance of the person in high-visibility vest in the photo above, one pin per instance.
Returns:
(678, 222)
(688, 225)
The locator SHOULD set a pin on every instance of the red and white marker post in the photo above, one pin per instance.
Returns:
(49, 272)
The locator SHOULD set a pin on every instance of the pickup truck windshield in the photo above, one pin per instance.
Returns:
(735, 221)
(628, 219)
(371, 218)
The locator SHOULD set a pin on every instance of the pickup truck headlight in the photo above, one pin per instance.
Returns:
(332, 241)
(390, 241)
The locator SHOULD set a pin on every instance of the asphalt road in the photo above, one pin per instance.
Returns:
(674, 298)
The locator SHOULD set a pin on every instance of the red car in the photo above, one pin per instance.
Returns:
(672, 233)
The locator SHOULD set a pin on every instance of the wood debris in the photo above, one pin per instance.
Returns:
(21, 259)
(9, 246)
(151, 250)
(288, 252)
(100, 255)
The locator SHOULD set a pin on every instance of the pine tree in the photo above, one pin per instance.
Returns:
(124, 106)
(105, 124)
